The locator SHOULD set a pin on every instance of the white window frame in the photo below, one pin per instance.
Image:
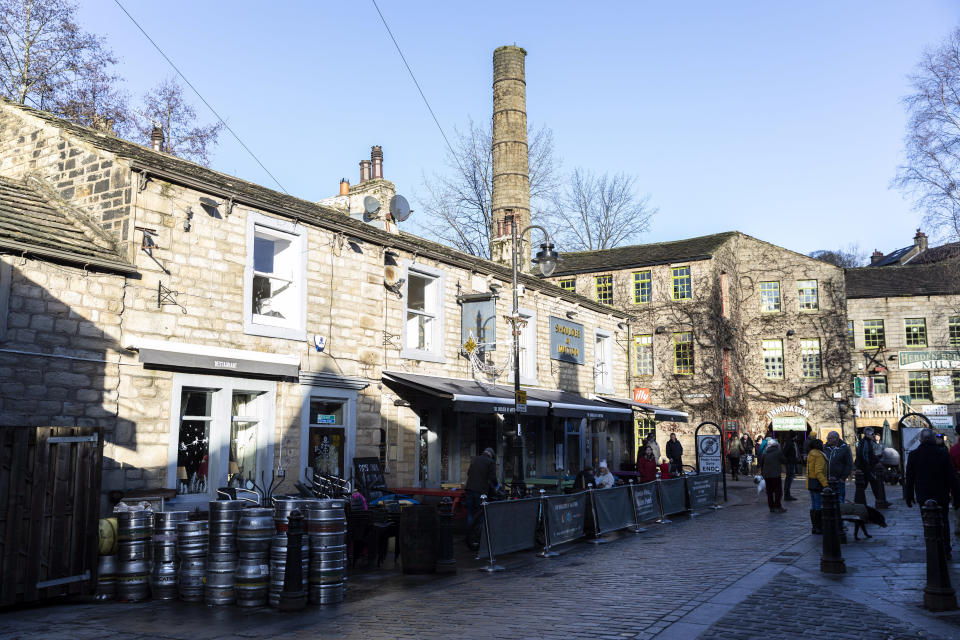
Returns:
(349, 399)
(603, 361)
(295, 327)
(220, 423)
(436, 354)
(528, 347)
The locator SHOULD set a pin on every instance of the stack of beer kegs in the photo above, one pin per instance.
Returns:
(134, 529)
(191, 559)
(163, 575)
(327, 526)
(278, 549)
(255, 532)
(220, 587)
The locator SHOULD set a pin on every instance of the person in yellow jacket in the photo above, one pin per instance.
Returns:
(816, 481)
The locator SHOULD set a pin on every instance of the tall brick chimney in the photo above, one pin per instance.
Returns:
(876, 257)
(364, 170)
(510, 201)
(376, 157)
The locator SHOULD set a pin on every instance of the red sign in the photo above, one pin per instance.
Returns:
(641, 394)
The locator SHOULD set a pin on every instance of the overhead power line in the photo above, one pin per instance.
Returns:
(209, 106)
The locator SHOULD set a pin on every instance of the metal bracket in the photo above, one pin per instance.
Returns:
(168, 296)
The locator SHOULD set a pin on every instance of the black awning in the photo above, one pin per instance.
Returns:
(659, 413)
(566, 404)
(468, 396)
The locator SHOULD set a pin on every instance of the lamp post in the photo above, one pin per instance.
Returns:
(547, 259)
(841, 405)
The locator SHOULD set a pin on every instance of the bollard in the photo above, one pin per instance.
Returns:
(830, 559)
(938, 595)
(546, 553)
(293, 597)
(492, 565)
(446, 563)
(636, 513)
(860, 494)
(835, 487)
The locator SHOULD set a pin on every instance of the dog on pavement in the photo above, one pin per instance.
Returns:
(860, 515)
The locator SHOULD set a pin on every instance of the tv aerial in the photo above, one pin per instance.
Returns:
(399, 208)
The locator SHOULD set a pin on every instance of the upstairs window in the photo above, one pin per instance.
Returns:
(873, 334)
(642, 287)
(275, 276)
(808, 295)
(682, 283)
(770, 297)
(919, 385)
(811, 363)
(916, 329)
(643, 355)
(568, 284)
(953, 328)
(423, 314)
(528, 347)
(773, 359)
(683, 352)
(604, 287)
(603, 362)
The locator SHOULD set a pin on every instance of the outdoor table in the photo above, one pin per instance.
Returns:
(455, 494)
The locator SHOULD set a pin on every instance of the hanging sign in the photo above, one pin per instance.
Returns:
(566, 340)
(641, 394)
(789, 423)
(941, 359)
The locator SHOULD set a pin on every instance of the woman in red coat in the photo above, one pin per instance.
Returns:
(647, 466)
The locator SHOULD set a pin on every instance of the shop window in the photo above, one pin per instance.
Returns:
(643, 355)
(683, 352)
(642, 287)
(873, 334)
(773, 359)
(528, 347)
(193, 447)
(423, 325)
(770, 297)
(244, 440)
(604, 289)
(644, 427)
(603, 362)
(327, 437)
(851, 336)
(879, 384)
(916, 330)
(568, 284)
(808, 295)
(682, 283)
(953, 328)
(810, 360)
(919, 385)
(275, 279)
(955, 376)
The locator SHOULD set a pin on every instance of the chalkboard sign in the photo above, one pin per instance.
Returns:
(646, 498)
(702, 490)
(368, 476)
(565, 517)
(673, 495)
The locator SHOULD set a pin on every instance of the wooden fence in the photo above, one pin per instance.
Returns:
(49, 511)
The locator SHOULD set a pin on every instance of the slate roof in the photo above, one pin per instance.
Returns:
(937, 254)
(894, 257)
(642, 255)
(32, 223)
(940, 278)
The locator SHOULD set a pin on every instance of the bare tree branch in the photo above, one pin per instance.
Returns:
(847, 257)
(166, 106)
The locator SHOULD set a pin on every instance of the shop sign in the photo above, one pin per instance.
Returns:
(566, 340)
(939, 359)
(789, 423)
(787, 408)
(941, 422)
(641, 394)
(941, 383)
(934, 410)
(326, 418)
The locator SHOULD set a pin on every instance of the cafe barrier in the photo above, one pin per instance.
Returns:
(612, 509)
(702, 490)
(509, 525)
(646, 501)
(564, 517)
(673, 497)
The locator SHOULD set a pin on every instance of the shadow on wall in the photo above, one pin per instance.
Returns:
(58, 362)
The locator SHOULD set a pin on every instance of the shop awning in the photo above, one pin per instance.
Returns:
(566, 404)
(659, 413)
(469, 396)
(217, 360)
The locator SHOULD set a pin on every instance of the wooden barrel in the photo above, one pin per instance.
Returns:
(419, 528)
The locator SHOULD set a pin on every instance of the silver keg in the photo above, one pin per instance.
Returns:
(283, 507)
(134, 530)
(255, 530)
(106, 578)
(224, 516)
(327, 565)
(253, 578)
(163, 581)
(327, 525)
(278, 565)
(191, 539)
(165, 534)
(327, 594)
(132, 579)
(191, 574)
(220, 587)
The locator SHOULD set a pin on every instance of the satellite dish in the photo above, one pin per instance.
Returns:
(371, 205)
(399, 208)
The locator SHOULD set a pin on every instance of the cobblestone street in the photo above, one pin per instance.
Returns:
(736, 573)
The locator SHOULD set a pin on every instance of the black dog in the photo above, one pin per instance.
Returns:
(860, 515)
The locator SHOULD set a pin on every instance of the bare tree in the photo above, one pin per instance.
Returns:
(850, 256)
(458, 203)
(95, 99)
(48, 61)
(165, 106)
(594, 212)
(932, 168)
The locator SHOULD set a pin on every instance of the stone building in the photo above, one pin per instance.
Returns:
(726, 325)
(218, 330)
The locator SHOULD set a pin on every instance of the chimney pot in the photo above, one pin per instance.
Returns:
(876, 257)
(364, 170)
(376, 157)
(920, 240)
(344, 187)
(156, 137)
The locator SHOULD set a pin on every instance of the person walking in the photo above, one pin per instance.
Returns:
(734, 452)
(770, 468)
(839, 463)
(816, 481)
(930, 476)
(675, 455)
(868, 459)
(791, 457)
(481, 479)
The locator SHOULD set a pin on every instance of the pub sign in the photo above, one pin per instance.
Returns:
(566, 340)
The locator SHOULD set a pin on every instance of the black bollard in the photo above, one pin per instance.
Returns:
(446, 563)
(293, 597)
(860, 495)
(835, 487)
(938, 595)
(830, 559)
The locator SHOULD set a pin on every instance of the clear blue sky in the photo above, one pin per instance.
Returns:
(782, 120)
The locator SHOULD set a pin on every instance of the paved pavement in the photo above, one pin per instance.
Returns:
(735, 573)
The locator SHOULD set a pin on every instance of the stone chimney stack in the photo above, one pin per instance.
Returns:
(156, 137)
(876, 257)
(920, 241)
(364, 170)
(510, 201)
(376, 157)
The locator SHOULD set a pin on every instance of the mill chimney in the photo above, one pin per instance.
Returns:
(510, 200)
(156, 137)
(376, 157)
(364, 170)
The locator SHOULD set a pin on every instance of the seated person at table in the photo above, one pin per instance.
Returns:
(584, 478)
(647, 465)
(664, 470)
(605, 479)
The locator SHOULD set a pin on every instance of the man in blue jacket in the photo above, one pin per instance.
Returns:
(839, 462)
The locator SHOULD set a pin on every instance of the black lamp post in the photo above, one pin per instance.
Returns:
(547, 259)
